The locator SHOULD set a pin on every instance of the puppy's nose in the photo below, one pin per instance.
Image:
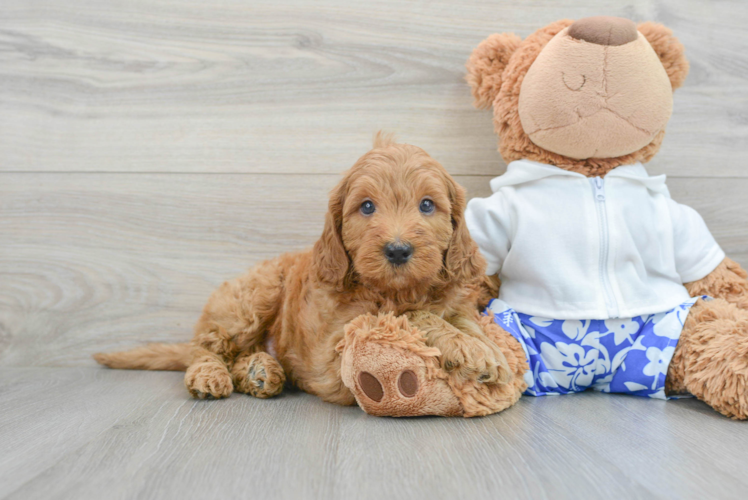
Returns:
(604, 30)
(398, 253)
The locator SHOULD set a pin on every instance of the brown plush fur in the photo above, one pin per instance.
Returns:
(727, 282)
(495, 72)
(386, 346)
(315, 308)
(711, 359)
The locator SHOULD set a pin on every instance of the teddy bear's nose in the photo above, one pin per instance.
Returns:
(604, 30)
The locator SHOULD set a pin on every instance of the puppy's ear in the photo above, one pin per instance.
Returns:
(486, 67)
(463, 261)
(668, 49)
(330, 259)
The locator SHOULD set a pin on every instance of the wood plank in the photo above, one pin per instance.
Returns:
(656, 443)
(119, 434)
(48, 415)
(171, 446)
(92, 262)
(298, 87)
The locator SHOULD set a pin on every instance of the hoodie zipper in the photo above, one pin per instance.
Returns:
(598, 189)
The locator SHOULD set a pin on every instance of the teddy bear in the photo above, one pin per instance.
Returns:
(391, 372)
(604, 280)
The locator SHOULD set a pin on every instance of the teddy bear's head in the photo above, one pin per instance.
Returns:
(586, 96)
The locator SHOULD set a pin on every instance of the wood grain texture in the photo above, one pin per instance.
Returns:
(120, 434)
(96, 262)
(296, 86)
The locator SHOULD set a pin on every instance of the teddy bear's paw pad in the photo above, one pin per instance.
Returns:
(407, 384)
(400, 392)
(407, 393)
(371, 386)
(390, 381)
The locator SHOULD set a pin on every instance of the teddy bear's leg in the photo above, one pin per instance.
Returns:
(258, 374)
(391, 371)
(711, 359)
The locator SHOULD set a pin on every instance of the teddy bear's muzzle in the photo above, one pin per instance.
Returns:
(590, 93)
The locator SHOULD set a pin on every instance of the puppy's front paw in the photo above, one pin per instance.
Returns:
(259, 375)
(473, 358)
(206, 380)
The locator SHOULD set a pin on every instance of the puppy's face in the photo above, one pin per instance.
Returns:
(397, 217)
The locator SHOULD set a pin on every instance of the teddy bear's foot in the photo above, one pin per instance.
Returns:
(391, 371)
(711, 359)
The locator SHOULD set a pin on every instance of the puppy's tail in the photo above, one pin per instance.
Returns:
(150, 357)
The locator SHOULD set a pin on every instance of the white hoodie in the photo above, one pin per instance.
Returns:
(572, 247)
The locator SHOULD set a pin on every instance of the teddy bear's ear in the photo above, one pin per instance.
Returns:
(486, 66)
(668, 49)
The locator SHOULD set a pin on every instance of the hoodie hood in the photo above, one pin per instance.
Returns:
(524, 171)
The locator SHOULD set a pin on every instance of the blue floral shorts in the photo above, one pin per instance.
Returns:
(629, 355)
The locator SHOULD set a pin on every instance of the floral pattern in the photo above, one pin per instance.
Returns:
(623, 355)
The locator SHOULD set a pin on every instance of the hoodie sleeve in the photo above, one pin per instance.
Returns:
(696, 252)
(489, 223)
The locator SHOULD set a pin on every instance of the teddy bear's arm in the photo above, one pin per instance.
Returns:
(727, 281)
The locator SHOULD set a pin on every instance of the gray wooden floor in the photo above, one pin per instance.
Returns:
(150, 149)
(89, 433)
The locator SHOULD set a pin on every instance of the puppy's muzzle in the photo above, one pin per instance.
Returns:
(398, 253)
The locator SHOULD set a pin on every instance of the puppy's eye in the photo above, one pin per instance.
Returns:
(367, 207)
(427, 206)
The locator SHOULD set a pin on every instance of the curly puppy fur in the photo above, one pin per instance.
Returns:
(300, 303)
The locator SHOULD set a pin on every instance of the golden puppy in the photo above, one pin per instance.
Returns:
(394, 241)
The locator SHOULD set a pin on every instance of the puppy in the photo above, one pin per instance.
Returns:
(394, 241)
